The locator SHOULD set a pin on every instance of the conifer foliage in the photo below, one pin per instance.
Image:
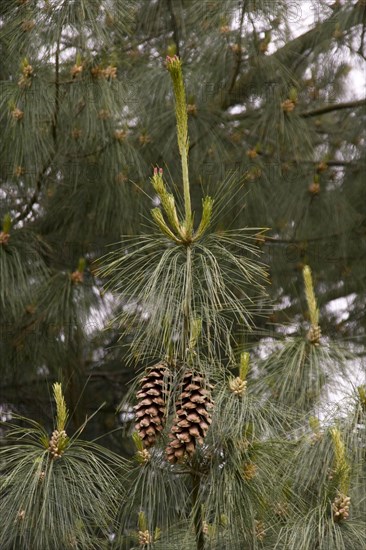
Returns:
(181, 202)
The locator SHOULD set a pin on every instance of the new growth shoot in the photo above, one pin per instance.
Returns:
(238, 385)
(59, 440)
(174, 66)
(61, 409)
(180, 231)
(341, 466)
(314, 332)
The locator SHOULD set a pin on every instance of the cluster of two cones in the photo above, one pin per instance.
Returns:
(192, 416)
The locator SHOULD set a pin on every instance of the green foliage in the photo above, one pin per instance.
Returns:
(299, 374)
(68, 497)
(22, 264)
(276, 140)
(152, 274)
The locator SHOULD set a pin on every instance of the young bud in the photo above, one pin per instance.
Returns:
(310, 296)
(362, 396)
(207, 205)
(161, 223)
(6, 223)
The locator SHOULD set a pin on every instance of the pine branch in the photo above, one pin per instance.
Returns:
(95, 152)
(289, 53)
(34, 198)
(321, 110)
(334, 107)
(275, 240)
(28, 209)
(352, 164)
(360, 51)
(239, 55)
(57, 90)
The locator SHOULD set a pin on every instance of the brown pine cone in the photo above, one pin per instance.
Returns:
(150, 410)
(192, 419)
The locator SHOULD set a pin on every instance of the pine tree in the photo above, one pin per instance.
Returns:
(228, 432)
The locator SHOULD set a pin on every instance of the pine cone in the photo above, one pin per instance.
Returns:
(76, 70)
(17, 114)
(260, 531)
(19, 171)
(110, 72)
(314, 188)
(249, 471)
(192, 419)
(340, 507)
(192, 109)
(237, 386)
(281, 509)
(288, 105)
(314, 335)
(150, 410)
(145, 538)
(77, 277)
(120, 135)
(143, 456)
(252, 153)
(4, 237)
(56, 444)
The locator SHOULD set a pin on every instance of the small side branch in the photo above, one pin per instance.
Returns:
(239, 53)
(57, 91)
(34, 198)
(334, 107)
